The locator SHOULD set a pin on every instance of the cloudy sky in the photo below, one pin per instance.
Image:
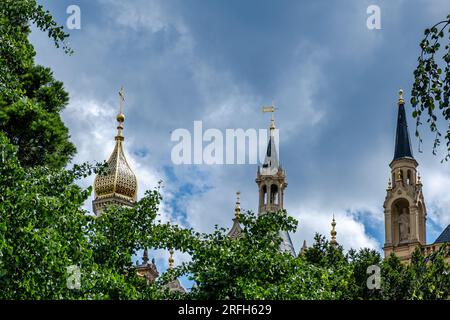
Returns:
(334, 81)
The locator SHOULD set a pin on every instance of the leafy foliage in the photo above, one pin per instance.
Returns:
(431, 88)
(30, 98)
(44, 230)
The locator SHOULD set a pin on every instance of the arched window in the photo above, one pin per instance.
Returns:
(264, 194)
(274, 194)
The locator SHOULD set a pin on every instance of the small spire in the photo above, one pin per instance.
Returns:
(389, 185)
(145, 257)
(400, 97)
(237, 208)
(304, 247)
(402, 141)
(171, 260)
(333, 232)
(418, 179)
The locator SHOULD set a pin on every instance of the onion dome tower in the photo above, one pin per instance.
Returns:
(118, 185)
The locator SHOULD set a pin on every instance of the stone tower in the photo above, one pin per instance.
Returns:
(119, 184)
(271, 180)
(404, 206)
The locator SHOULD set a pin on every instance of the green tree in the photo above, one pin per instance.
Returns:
(431, 88)
(359, 262)
(43, 231)
(30, 98)
(395, 279)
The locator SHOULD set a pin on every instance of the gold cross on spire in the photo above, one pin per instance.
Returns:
(120, 117)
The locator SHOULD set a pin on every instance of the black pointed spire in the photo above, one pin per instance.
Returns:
(402, 142)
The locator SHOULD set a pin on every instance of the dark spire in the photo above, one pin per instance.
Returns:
(402, 142)
(145, 257)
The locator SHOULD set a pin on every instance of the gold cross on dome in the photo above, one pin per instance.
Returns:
(122, 98)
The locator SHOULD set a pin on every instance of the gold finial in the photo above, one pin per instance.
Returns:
(237, 208)
(400, 97)
(333, 232)
(120, 116)
(171, 260)
(272, 109)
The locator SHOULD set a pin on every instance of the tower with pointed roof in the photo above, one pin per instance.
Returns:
(118, 185)
(271, 181)
(146, 269)
(404, 206)
(236, 229)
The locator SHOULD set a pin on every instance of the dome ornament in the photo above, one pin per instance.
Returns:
(120, 116)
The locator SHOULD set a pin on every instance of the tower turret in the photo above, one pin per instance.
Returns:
(404, 206)
(271, 180)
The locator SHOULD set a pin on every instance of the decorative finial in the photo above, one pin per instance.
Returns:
(237, 208)
(120, 116)
(333, 232)
(171, 260)
(389, 185)
(145, 257)
(272, 109)
(400, 97)
(418, 179)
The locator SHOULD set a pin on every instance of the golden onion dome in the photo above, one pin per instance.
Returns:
(119, 180)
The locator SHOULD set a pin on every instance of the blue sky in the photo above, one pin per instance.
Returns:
(335, 82)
